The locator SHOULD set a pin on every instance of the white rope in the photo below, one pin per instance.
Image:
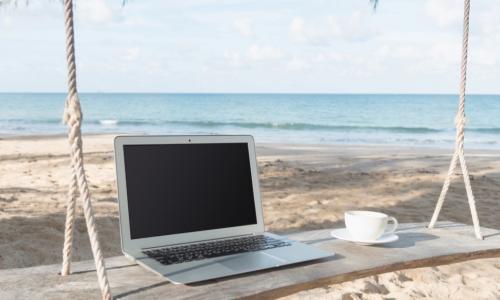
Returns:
(460, 120)
(70, 221)
(73, 118)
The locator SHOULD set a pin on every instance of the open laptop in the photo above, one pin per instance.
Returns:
(190, 208)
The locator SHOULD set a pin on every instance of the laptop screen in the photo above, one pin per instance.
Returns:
(180, 188)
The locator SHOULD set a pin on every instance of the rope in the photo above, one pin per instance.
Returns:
(73, 118)
(70, 221)
(460, 121)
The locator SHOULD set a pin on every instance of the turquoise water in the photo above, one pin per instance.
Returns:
(421, 120)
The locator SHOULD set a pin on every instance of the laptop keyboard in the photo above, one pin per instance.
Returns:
(181, 254)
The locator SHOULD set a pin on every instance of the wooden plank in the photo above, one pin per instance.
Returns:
(417, 247)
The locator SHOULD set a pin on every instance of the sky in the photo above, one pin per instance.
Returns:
(240, 46)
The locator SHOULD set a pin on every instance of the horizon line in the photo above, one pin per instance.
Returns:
(258, 93)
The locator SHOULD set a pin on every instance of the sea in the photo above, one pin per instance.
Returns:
(383, 119)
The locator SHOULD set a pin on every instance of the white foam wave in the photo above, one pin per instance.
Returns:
(108, 123)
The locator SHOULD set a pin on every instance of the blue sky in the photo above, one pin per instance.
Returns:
(319, 46)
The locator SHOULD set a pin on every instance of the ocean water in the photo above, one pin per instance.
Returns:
(394, 119)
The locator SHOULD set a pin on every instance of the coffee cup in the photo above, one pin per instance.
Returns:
(368, 225)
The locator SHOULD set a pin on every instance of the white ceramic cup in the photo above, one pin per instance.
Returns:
(368, 225)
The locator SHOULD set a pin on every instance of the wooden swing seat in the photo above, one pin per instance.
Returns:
(417, 247)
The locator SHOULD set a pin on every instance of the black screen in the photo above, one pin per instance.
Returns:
(188, 187)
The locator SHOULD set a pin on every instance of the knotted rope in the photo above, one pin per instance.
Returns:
(79, 185)
(460, 122)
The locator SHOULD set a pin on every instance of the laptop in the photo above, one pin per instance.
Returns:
(190, 208)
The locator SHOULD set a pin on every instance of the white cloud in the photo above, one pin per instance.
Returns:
(488, 20)
(6, 21)
(322, 32)
(334, 26)
(297, 64)
(244, 26)
(131, 54)
(424, 58)
(351, 28)
(484, 57)
(445, 12)
(298, 30)
(233, 58)
(256, 52)
(402, 48)
(96, 11)
(408, 52)
(440, 56)
(252, 55)
(342, 64)
(445, 53)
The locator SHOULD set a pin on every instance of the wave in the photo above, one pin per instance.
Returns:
(256, 125)
(495, 130)
(286, 126)
(309, 126)
(110, 122)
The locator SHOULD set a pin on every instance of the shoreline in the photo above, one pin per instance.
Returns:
(447, 149)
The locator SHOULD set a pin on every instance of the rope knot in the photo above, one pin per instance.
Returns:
(72, 109)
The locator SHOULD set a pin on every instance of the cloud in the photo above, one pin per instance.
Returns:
(244, 26)
(96, 11)
(402, 46)
(407, 52)
(445, 53)
(6, 21)
(488, 20)
(341, 64)
(297, 64)
(328, 56)
(301, 32)
(445, 12)
(322, 32)
(439, 56)
(131, 54)
(256, 53)
(426, 57)
(233, 58)
(484, 57)
(298, 30)
(252, 55)
(353, 28)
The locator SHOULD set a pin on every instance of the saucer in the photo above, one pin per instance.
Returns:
(342, 234)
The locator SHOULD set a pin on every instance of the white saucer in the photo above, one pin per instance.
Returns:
(342, 234)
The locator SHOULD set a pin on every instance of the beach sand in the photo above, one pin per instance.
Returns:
(303, 187)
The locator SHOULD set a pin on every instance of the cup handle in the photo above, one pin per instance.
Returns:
(394, 225)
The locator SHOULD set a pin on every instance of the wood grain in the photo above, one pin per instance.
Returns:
(417, 247)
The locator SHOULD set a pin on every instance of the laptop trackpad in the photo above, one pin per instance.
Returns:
(250, 261)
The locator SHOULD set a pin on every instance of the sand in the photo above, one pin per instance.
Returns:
(303, 187)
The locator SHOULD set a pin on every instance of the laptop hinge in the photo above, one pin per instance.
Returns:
(201, 241)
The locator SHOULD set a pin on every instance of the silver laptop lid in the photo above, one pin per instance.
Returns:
(179, 189)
